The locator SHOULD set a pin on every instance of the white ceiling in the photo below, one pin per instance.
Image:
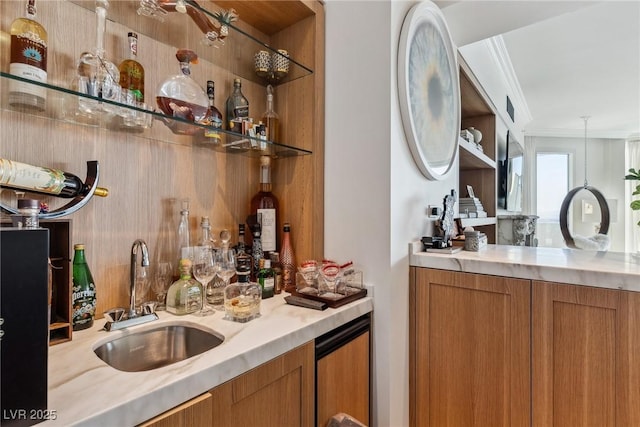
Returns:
(571, 58)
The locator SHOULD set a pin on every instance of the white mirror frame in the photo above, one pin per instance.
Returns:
(429, 90)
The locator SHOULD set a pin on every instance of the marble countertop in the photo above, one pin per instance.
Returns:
(601, 269)
(83, 390)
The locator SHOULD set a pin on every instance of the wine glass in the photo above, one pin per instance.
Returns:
(161, 283)
(204, 270)
(225, 260)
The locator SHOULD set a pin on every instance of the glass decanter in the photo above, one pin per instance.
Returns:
(97, 76)
(181, 97)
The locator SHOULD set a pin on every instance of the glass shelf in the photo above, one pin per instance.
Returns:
(65, 105)
(179, 30)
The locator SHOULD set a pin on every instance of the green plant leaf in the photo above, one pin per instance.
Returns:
(635, 205)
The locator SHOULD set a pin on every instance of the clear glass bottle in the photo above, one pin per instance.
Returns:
(185, 294)
(183, 246)
(266, 278)
(132, 73)
(207, 240)
(97, 76)
(288, 260)
(213, 119)
(28, 60)
(181, 97)
(271, 119)
(277, 272)
(237, 108)
(264, 204)
(83, 296)
(242, 299)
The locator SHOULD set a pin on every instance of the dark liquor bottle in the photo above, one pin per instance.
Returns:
(288, 261)
(83, 297)
(256, 250)
(277, 272)
(37, 179)
(266, 278)
(237, 108)
(28, 60)
(213, 119)
(132, 72)
(243, 259)
(265, 205)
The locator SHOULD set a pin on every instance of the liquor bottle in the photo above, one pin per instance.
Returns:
(265, 205)
(270, 118)
(132, 72)
(185, 294)
(83, 297)
(277, 272)
(243, 259)
(266, 278)
(242, 299)
(37, 179)
(256, 250)
(206, 238)
(183, 247)
(28, 60)
(213, 119)
(237, 108)
(288, 261)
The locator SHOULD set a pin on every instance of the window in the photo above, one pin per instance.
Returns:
(552, 185)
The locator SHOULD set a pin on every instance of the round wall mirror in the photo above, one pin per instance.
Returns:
(429, 90)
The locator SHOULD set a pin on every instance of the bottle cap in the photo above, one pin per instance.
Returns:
(78, 246)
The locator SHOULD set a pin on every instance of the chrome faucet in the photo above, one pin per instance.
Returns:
(139, 243)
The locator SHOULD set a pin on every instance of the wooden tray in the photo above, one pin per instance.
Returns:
(337, 302)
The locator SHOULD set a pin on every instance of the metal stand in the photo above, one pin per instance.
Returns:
(91, 181)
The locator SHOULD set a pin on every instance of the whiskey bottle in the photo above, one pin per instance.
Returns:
(237, 108)
(213, 119)
(256, 250)
(83, 297)
(264, 205)
(185, 294)
(132, 72)
(270, 118)
(28, 60)
(37, 179)
(266, 278)
(288, 261)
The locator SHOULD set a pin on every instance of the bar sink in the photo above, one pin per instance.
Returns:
(158, 347)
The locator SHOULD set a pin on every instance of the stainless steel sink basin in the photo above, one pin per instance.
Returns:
(154, 348)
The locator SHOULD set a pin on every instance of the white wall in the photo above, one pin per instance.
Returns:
(375, 197)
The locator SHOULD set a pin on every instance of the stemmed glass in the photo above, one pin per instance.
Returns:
(204, 270)
(161, 283)
(225, 260)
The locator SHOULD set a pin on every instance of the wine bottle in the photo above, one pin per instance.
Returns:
(83, 297)
(37, 179)
(264, 205)
(237, 108)
(28, 60)
(288, 261)
(271, 119)
(213, 119)
(132, 72)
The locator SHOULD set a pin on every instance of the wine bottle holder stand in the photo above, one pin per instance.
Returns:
(91, 181)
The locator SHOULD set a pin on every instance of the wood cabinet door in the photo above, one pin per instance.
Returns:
(343, 382)
(279, 393)
(469, 349)
(586, 368)
(193, 413)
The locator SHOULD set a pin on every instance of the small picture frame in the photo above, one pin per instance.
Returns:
(470, 192)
